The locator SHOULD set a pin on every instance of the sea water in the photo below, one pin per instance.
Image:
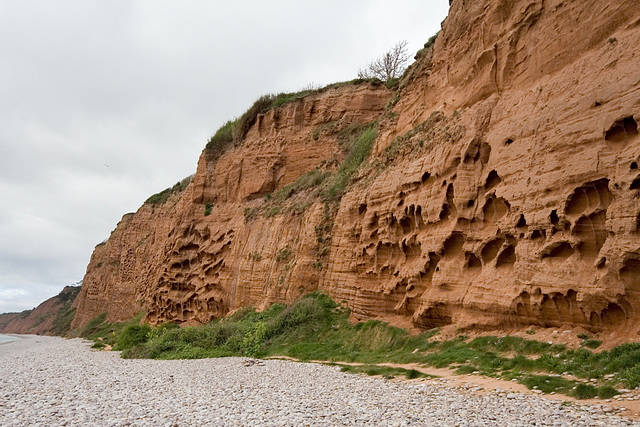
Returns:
(7, 338)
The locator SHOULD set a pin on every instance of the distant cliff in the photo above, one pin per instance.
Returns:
(52, 317)
(502, 189)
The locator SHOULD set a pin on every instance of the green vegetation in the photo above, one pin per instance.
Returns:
(591, 343)
(356, 141)
(163, 196)
(62, 322)
(250, 214)
(105, 333)
(317, 328)
(385, 371)
(207, 209)
(428, 45)
(283, 254)
(234, 131)
(222, 139)
(357, 152)
(132, 336)
(309, 180)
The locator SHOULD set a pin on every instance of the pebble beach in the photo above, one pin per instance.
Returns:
(48, 381)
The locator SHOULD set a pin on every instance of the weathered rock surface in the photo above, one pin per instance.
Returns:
(502, 191)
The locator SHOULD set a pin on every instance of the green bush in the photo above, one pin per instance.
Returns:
(163, 196)
(591, 343)
(94, 326)
(222, 139)
(260, 106)
(132, 336)
(548, 384)
(584, 391)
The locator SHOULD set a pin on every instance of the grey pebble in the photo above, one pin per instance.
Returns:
(51, 381)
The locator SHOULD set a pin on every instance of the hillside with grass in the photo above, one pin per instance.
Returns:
(52, 317)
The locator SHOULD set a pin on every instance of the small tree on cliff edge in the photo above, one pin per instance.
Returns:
(389, 66)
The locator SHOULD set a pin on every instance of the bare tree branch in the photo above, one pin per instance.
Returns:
(389, 66)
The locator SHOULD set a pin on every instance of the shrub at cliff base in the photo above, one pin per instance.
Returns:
(317, 328)
(104, 333)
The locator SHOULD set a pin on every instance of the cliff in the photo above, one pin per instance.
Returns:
(502, 189)
(52, 317)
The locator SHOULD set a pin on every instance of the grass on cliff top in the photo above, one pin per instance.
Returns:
(234, 131)
(163, 196)
(317, 328)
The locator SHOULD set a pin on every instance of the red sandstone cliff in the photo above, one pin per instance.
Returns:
(502, 190)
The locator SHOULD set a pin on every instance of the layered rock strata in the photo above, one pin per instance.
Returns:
(503, 190)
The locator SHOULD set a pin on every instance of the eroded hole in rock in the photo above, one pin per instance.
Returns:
(602, 263)
(508, 141)
(522, 222)
(495, 208)
(592, 233)
(401, 195)
(589, 197)
(477, 151)
(493, 179)
(425, 177)
(638, 222)
(630, 272)
(538, 234)
(635, 184)
(436, 316)
(473, 153)
(450, 193)
(445, 212)
(430, 267)
(491, 249)
(622, 130)
(553, 217)
(406, 224)
(470, 203)
(362, 208)
(612, 315)
(559, 250)
(411, 251)
(452, 247)
(485, 153)
(633, 166)
(472, 261)
(507, 257)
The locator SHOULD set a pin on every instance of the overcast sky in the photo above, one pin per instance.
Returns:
(103, 103)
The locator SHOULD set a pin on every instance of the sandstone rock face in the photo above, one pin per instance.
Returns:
(182, 265)
(503, 190)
